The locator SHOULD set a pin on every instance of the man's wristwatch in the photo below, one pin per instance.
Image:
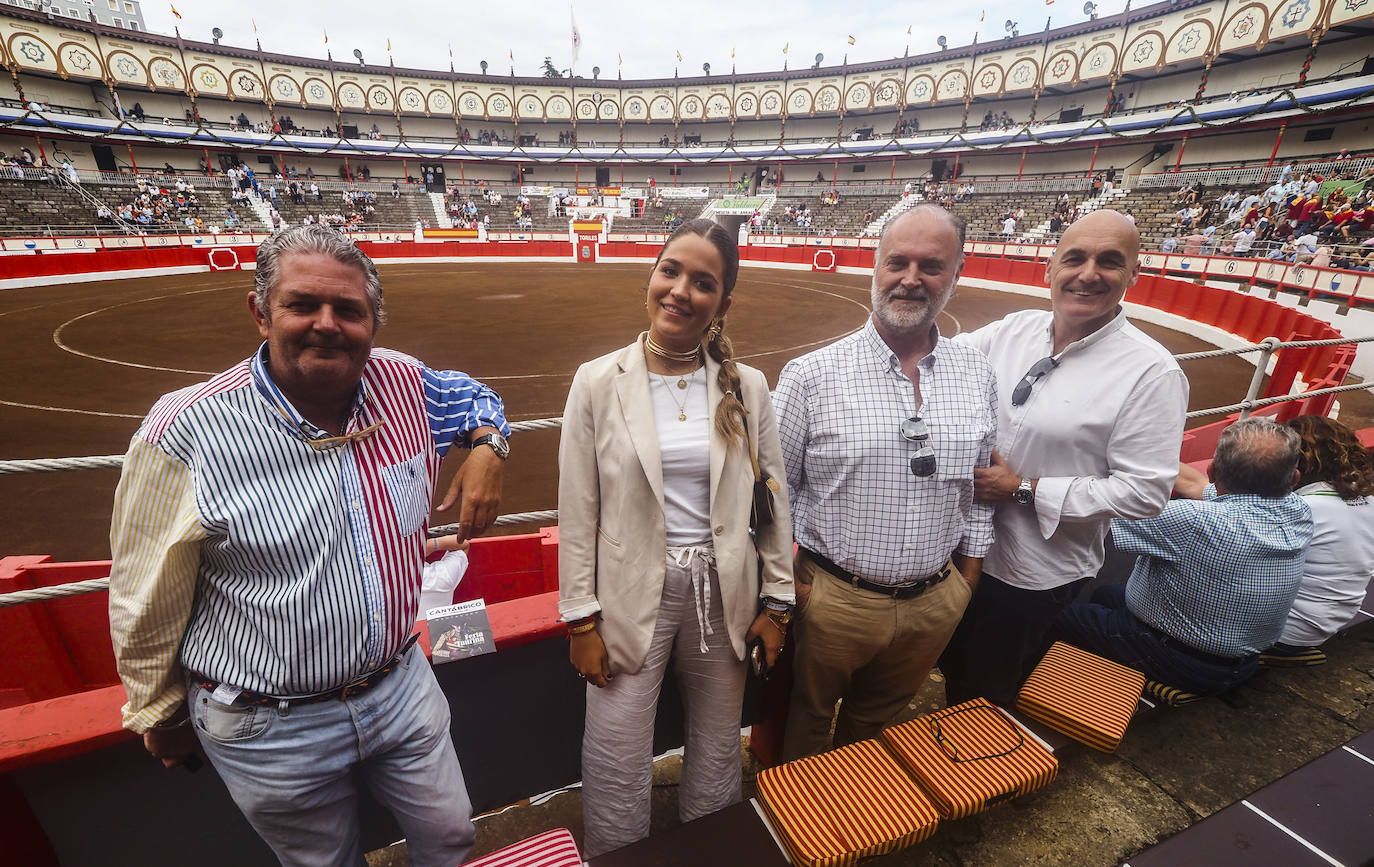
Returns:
(496, 441)
(1024, 493)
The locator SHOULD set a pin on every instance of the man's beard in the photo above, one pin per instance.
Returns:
(904, 317)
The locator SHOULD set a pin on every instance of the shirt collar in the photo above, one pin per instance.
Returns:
(1116, 324)
(286, 413)
(884, 353)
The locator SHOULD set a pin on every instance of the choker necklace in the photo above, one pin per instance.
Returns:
(684, 357)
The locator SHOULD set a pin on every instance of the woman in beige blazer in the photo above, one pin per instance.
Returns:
(656, 558)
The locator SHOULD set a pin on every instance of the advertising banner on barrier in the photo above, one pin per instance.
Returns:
(684, 192)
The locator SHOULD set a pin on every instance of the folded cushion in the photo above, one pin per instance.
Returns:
(1086, 697)
(970, 757)
(843, 805)
(554, 848)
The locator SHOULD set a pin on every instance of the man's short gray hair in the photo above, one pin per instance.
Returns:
(956, 222)
(1257, 456)
(308, 240)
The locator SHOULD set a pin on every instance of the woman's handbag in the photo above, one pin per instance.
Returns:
(761, 512)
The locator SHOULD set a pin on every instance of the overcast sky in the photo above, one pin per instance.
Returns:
(647, 35)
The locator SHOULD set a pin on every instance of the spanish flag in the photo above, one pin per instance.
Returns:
(851, 40)
(175, 12)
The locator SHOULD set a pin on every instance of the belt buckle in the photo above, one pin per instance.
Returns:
(352, 689)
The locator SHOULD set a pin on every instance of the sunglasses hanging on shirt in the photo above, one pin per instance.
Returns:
(1021, 393)
(915, 430)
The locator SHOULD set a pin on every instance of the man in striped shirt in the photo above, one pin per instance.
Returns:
(267, 540)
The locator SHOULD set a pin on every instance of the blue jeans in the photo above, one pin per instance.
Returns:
(290, 768)
(1104, 626)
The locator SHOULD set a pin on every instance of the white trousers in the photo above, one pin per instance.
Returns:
(617, 744)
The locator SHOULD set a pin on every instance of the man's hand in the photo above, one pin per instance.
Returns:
(994, 483)
(478, 483)
(969, 567)
(172, 745)
(773, 634)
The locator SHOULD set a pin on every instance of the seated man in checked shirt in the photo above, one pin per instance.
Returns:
(1215, 578)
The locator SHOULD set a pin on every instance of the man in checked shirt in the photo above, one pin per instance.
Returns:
(881, 434)
(267, 540)
(1090, 419)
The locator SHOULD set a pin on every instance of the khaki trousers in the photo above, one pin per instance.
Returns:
(870, 651)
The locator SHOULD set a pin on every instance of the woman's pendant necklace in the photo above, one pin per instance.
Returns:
(682, 404)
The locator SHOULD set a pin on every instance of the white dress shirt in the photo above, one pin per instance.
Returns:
(1101, 433)
(854, 497)
(1340, 564)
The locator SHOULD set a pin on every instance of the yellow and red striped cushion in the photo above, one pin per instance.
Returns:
(1086, 697)
(843, 805)
(555, 848)
(974, 728)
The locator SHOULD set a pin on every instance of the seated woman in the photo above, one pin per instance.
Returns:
(656, 558)
(1336, 479)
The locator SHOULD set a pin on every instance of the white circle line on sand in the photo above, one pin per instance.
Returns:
(57, 333)
(67, 409)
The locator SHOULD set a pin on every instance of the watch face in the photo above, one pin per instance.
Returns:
(497, 442)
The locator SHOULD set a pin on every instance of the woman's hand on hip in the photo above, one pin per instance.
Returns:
(588, 654)
(773, 634)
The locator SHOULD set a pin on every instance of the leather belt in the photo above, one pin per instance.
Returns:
(348, 690)
(1200, 655)
(908, 590)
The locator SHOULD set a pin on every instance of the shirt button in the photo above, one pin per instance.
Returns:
(720, 528)
(356, 504)
(367, 561)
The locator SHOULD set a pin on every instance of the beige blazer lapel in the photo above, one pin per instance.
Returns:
(637, 408)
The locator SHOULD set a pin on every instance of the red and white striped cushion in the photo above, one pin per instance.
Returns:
(554, 848)
(1086, 697)
(843, 805)
(969, 730)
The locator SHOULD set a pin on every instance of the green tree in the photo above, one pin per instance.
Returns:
(551, 71)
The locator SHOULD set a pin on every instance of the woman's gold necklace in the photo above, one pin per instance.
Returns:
(682, 383)
(682, 357)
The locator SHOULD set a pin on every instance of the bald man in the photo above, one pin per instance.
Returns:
(1090, 419)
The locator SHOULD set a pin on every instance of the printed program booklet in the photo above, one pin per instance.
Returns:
(459, 631)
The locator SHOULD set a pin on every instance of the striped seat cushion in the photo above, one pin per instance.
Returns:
(1086, 697)
(554, 848)
(843, 805)
(1170, 696)
(970, 757)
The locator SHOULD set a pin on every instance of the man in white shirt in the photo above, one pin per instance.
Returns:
(1089, 425)
(881, 434)
(1245, 240)
(1009, 226)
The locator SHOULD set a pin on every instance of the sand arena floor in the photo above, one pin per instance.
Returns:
(83, 362)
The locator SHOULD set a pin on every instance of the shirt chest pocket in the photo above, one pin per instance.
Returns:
(407, 484)
(956, 451)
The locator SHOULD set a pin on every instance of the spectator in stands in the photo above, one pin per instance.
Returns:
(137, 112)
(666, 408)
(1243, 242)
(1091, 413)
(1169, 244)
(882, 588)
(1216, 577)
(1194, 242)
(211, 655)
(1009, 226)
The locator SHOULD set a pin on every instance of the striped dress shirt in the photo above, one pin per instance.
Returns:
(243, 552)
(853, 497)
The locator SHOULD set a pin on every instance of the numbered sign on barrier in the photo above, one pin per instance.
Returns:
(823, 260)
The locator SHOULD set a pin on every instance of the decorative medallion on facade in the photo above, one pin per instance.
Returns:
(284, 87)
(470, 103)
(635, 108)
(78, 59)
(126, 68)
(921, 90)
(1097, 61)
(1353, 5)
(952, 86)
(584, 109)
(1245, 25)
(827, 101)
(317, 91)
(691, 105)
(770, 102)
(412, 100)
(439, 102)
(33, 51)
(887, 92)
(165, 73)
(858, 96)
(1021, 74)
(1296, 13)
(988, 78)
(1060, 68)
(1144, 50)
(608, 110)
(529, 108)
(1189, 40)
(246, 83)
(746, 104)
(499, 104)
(379, 97)
(209, 79)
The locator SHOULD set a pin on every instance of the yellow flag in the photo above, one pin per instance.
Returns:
(176, 13)
(679, 57)
(851, 40)
(388, 44)
(784, 48)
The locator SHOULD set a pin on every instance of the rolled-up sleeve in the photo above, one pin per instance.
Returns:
(155, 537)
(1142, 461)
(579, 505)
(457, 404)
